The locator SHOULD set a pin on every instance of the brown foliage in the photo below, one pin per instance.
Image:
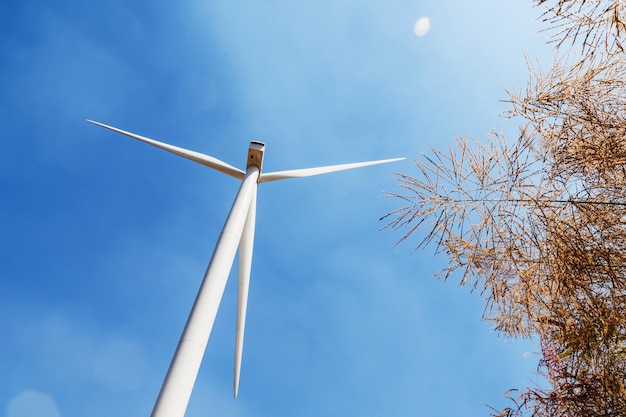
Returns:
(538, 225)
(594, 26)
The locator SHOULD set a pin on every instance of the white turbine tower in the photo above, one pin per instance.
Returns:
(238, 231)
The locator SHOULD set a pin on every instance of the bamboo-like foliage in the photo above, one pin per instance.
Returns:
(537, 224)
(594, 26)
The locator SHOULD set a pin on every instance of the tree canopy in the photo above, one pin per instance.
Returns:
(537, 224)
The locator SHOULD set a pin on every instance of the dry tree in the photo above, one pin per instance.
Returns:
(537, 224)
(594, 27)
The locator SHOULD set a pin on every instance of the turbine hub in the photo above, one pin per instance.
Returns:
(255, 155)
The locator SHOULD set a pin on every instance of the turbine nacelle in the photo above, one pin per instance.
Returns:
(237, 234)
(255, 155)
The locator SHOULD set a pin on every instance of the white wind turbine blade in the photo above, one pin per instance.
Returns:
(245, 265)
(183, 371)
(308, 172)
(198, 157)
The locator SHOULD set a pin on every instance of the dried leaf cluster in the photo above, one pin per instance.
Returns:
(592, 26)
(538, 224)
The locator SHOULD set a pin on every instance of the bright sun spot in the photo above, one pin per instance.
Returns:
(422, 26)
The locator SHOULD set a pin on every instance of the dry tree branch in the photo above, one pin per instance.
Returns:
(538, 225)
(593, 27)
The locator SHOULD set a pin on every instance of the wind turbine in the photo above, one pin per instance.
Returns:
(238, 231)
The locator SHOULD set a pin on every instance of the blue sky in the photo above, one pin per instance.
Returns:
(105, 240)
